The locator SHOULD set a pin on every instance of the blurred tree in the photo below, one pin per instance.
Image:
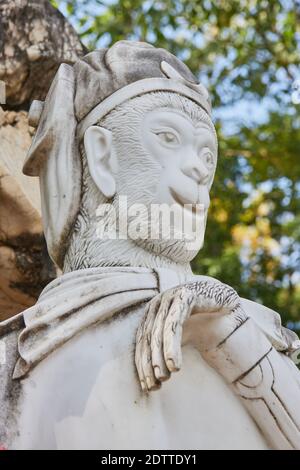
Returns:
(247, 53)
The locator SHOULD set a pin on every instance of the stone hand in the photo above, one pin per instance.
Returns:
(159, 337)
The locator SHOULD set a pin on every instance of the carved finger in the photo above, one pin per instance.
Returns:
(139, 350)
(179, 312)
(146, 357)
(161, 371)
(140, 343)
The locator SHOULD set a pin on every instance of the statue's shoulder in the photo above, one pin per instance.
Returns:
(9, 332)
(14, 323)
(9, 388)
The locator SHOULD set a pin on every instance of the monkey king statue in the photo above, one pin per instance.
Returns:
(92, 365)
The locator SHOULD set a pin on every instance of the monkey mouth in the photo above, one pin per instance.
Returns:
(191, 206)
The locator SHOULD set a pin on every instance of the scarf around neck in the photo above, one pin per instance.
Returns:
(80, 299)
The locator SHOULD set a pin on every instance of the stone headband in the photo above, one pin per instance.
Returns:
(174, 83)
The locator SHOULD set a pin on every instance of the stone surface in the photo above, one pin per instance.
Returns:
(34, 40)
(128, 313)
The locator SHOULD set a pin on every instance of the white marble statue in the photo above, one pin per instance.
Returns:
(87, 367)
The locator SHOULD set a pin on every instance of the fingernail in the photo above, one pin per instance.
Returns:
(149, 383)
(143, 386)
(171, 365)
(161, 376)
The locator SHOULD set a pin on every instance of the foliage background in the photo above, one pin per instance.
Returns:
(247, 53)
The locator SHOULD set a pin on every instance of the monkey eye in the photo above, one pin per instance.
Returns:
(209, 159)
(168, 137)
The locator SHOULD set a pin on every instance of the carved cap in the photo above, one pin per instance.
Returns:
(101, 73)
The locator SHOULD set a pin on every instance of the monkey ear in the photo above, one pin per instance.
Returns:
(54, 157)
(101, 160)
